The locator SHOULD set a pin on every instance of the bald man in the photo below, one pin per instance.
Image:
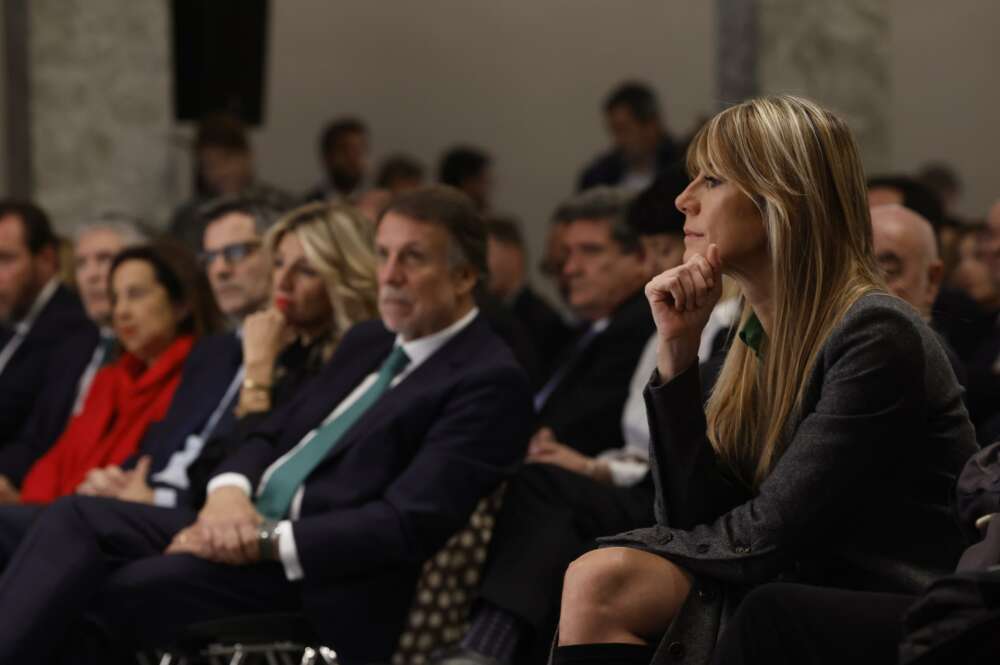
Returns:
(907, 254)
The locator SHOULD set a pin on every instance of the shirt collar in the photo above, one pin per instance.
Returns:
(752, 334)
(43, 298)
(419, 350)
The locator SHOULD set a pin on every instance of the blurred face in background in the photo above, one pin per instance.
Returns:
(662, 251)
(299, 289)
(555, 258)
(506, 264)
(145, 321)
(347, 161)
(225, 171)
(237, 268)
(973, 274)
(636, 139)
(599, 273)
(993, 240)
(92, 256)
(22, 274)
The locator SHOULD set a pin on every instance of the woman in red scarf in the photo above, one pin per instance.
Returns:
(160, 303)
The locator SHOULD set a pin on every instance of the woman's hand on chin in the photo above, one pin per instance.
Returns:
(682, 300)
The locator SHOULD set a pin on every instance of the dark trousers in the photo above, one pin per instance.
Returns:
(807, 625)
(90, 575)
(550, 517)
(14, 524)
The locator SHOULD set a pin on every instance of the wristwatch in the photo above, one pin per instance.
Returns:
(267, 540)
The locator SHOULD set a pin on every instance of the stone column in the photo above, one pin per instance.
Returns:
(736, 37)
(100, 98)
(836, 53)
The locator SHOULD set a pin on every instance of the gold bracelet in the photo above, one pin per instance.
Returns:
(250, 384)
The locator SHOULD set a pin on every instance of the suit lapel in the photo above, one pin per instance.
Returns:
(439, 367)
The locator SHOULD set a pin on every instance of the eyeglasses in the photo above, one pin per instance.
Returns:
(230, 253)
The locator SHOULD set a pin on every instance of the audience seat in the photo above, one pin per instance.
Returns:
(438, 617)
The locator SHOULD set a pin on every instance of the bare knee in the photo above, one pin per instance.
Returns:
(594, 590)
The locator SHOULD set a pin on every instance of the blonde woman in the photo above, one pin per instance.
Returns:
(322, 283)
(827, 449)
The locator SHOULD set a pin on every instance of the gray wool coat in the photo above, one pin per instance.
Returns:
(861, 497)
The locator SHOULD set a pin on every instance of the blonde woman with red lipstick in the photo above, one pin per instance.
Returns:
(323, 282)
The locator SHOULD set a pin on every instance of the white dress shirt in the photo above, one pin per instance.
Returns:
(418, 351)
(630, 463)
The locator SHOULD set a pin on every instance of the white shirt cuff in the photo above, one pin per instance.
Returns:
(164, 497)
(287, 551)
(230, 480)
(626, 472)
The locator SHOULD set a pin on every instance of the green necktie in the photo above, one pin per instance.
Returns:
(275, 497)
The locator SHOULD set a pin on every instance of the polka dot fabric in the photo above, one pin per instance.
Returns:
(447, 588)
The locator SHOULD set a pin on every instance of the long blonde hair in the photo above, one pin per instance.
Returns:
(338, 242)
(799, 164)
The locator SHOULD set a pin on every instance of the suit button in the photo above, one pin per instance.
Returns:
(703, 548)
(706, 594)
(676, 650)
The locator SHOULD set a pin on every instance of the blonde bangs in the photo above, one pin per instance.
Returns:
(799, 164)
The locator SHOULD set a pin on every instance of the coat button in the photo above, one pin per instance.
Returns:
(703, 548)
(706, 595)
(676, 650)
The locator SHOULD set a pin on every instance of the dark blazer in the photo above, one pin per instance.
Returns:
(585, 410)
(861, 498)
(24, 377)
(547, 329)
(208, 371)
(405, 477)
(53, 408)
(609, 168)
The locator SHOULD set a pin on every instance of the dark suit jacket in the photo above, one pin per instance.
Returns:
(609, 168)
(405, 477)
(53, 408)
(208, 371)
(585, 410)
(861, 497)
(547, 329)
(23, 379)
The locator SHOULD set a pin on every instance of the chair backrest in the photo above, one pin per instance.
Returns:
(447, 588)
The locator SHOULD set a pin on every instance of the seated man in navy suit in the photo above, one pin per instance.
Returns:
(331, 506)
(36, 312)
(72, 366)
(239, 271)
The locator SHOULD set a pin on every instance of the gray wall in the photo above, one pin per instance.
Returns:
(945, 73)
(3, 108)
(522, 79)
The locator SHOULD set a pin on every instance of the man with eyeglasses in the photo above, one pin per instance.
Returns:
(239, 272)
(165, 470)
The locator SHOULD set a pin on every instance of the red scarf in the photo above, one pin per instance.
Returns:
(123, 401)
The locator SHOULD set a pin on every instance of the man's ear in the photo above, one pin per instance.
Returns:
(48, 258)
(466, 278)
(935, 275)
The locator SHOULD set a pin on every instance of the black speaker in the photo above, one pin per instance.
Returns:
(219, 53)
